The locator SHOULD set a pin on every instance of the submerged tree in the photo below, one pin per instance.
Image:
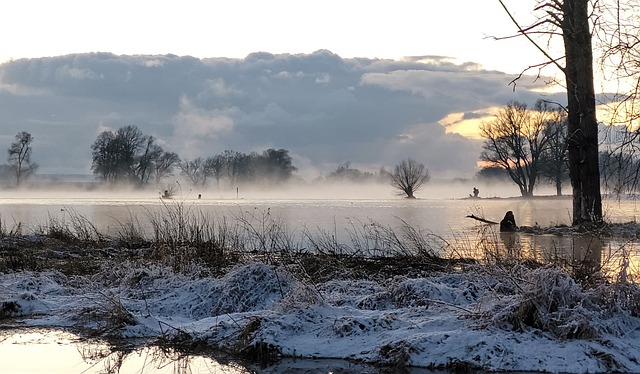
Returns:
(164, 165)
(570, 19)
(128, 155)
(515, 141)
(409, 176)
(555, 161)
(20, 157)
(195, 171)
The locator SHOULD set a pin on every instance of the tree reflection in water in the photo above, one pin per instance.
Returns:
(62, 352)
(586, 257)
(156, 359)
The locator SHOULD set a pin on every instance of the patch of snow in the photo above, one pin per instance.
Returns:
(519, 320)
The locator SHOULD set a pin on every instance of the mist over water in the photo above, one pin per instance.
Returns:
(441, 207)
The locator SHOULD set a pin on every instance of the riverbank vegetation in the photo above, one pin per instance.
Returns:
(398, 296)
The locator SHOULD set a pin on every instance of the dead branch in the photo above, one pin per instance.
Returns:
(481, 219)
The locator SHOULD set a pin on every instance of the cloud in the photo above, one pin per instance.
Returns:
(77, 73)
(325, 109)
(197, 129)
(468, 123)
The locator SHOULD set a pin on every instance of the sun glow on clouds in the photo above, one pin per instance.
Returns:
(468, 124)
(619, 113)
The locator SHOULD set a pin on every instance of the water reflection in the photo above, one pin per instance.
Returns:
(46, 351)
(344, 218)
(57, 352)
(585, 256)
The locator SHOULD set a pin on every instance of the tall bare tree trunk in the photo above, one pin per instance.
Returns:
(582, 126)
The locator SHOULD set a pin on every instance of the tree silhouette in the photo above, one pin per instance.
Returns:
(20, 157)
(128, 155)
(571, 20)
(516, 141)
(555, 161)
(409, 176)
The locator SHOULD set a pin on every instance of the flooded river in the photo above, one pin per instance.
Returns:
(340, 218)
(61, 352)
(446, 217)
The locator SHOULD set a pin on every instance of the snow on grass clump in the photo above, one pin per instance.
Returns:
(519, 318)
(549, 300)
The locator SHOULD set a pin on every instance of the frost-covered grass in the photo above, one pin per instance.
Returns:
(259, 292)
(523, 318)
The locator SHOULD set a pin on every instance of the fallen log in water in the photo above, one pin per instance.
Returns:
(481, 219)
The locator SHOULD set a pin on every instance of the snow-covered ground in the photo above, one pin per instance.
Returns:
(497, 318)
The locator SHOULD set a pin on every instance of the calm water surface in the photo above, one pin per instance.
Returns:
(445, 217)
(441, 216)
(59, 352)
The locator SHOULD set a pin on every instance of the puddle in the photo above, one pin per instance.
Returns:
(59, 352)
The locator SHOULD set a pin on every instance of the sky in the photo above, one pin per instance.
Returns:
(361, 82)
(355, 28)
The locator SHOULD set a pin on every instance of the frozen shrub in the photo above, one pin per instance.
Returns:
(396, 354)
(250, 287)
(550, 300)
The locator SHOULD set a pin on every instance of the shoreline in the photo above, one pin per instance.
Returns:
(265, 306)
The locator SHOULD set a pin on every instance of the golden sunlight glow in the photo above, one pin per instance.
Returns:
(468, 124)
(483, 164)
(619, 114)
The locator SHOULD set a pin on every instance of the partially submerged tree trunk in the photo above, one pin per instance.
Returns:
(508, 223)
(582, 134)
(558, 185)
(572, 17)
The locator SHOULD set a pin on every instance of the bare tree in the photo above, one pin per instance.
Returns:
(164, 165)
(216, 166)
(195, 170)
(570, 19)
(145, 161)
(238, 165)
(515, 141)
(20, 157)
(619, 37)
(620, 170)
(273, 166)
(409, 176)
(126, 155)
(555, 162)
(105, 157)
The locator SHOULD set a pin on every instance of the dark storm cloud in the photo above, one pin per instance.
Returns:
(326, 110)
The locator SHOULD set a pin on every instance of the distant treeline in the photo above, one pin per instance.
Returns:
(129, 156)
(344, 173)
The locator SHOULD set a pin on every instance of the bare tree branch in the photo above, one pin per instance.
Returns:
(526, 35)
